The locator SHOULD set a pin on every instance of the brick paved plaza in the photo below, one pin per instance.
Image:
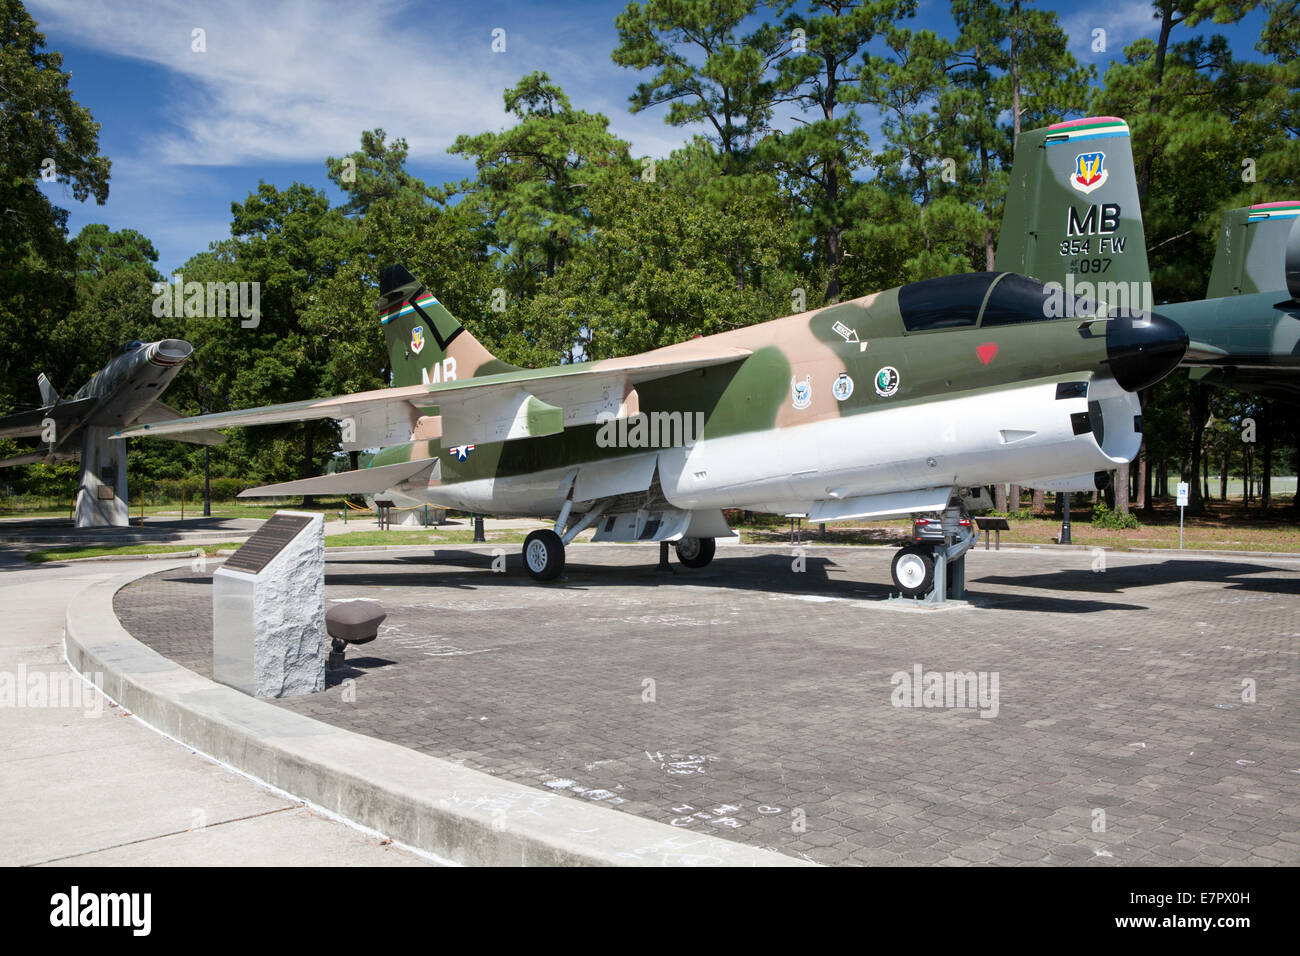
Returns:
(755, 701)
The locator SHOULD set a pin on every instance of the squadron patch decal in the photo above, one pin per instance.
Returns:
(842, 387)
(801, 392)
(417, 339)
(887, 381)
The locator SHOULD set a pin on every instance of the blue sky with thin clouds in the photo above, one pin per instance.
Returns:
(283, 85)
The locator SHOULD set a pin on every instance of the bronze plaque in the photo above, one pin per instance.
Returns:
(266, 542)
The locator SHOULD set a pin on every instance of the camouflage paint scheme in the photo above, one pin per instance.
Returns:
(931, 406)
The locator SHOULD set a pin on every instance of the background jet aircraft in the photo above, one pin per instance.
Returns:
(123, 392)
(886, 405)
(1245, 333)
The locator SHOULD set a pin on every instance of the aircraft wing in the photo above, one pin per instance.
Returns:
(158, 412)
(359, 482)
(407, 401)
(526, 403)
(30, 424)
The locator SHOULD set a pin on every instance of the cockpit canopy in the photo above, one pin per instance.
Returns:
(985, 299)
(129, 346)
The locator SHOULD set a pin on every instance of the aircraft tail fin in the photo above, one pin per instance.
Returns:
(1072, 213)
(426, 344)
(1259, 251)
(49, 395)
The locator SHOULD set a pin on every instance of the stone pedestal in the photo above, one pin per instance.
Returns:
(268, 610)
(101, 487)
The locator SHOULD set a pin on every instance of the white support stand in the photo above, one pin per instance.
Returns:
(101, 486)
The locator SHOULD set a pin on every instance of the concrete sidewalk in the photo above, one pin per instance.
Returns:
(85, 784)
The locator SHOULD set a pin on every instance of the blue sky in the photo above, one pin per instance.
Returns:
(282, 85)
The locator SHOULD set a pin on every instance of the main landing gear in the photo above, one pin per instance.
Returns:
(696, 552)
(544, 553)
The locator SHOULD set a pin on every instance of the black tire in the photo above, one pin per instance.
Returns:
(696, 552)
(543, 555)
(915, 577)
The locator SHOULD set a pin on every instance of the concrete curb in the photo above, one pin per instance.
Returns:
(158, 556)
(421, 801)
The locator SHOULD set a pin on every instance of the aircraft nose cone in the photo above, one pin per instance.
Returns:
(1143, 348)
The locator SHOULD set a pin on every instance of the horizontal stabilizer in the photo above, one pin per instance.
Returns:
(66, 415)
(29, 459)
(363, 481)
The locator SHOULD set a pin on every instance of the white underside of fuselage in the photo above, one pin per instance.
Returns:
(1021, 434)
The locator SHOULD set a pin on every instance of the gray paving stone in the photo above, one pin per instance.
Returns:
(766, 702)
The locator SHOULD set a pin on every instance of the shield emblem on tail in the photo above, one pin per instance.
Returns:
(1090, 172)
(417, 339)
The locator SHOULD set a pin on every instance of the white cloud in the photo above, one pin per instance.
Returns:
(1123, 24)
(300, 80)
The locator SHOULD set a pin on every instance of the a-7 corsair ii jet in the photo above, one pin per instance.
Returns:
(900, 402)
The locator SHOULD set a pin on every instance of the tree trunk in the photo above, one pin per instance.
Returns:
(1037, 504)
(1000, 497)
(1223, 478)
(1013, 498)
(1167, 24)
(1121, 485)
(1266, 466)
(1142, 478)
(1245, 476)
(1015, 73)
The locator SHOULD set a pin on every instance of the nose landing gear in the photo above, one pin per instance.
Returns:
(935, 569)
(913, 570)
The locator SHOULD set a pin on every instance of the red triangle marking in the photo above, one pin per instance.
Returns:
(986, 351)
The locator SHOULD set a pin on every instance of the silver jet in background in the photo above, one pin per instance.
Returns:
(123, 392)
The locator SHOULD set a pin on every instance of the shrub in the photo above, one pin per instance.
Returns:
(1103, 517)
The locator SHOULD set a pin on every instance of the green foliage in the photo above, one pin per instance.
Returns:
(44, 133)
(1103, 517)
(601, 254)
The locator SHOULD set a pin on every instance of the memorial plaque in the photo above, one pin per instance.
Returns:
(266, 542)
(268, 610)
